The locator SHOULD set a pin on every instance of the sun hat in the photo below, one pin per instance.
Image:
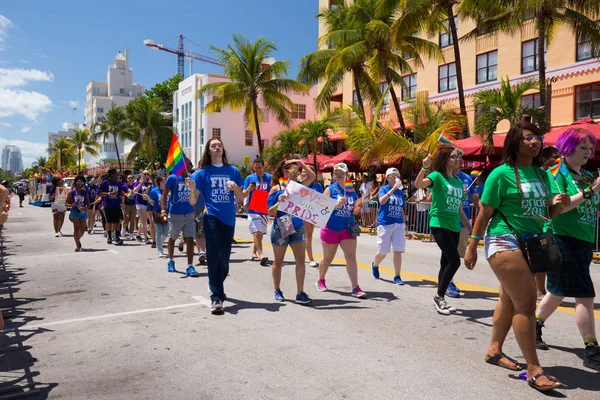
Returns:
(340, 167)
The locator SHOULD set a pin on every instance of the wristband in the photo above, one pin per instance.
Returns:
(163, 211)
(475, 237)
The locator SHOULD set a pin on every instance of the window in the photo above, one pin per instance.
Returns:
(447, 77)
(487, 67)
(299, 111)
(249, 138)
(190, 109)
(122, 91)
(202, 136)
(410, 90)
(529, 56)
(587, 101)
(95, 90)
(584, 48)
(265, 115)
(446, 36)
(99, 109)
(202, 104)
(216, 133)
(386, 101)
(530, 100)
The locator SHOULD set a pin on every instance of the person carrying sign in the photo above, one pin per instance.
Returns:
(257, 221)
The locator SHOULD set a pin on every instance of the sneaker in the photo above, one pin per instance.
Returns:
(180, 246)
(321, 286)
(171, 266)
(375, 270)
(302, 298)
(60, 234)
(109, 241)
(202, 258)
(539, 342)
(452, 291)
(125, 235)
(398, 280)
(105, 234)
(118, 242)
(278, 295)
(592, 356)
(216, 307)
(138, 238)
(148, 241)
(160, 254)
(191, 271)
(450, 308)
(358, 293)
(440, 305)
(56, 234)
(153, 245)
(263, 261)
(313, 264)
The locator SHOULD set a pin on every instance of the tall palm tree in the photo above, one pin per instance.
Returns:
(148, 126)
(342, 51)
(82, 141)
(313, 131)
(285, 145)
(40, 161)
(504, 103)
(115, 126)
(253, 80)
(63, 155)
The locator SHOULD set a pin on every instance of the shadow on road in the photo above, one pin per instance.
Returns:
(249, 305)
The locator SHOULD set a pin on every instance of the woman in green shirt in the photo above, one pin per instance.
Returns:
(575, 231)
(445, 216)
(519, 191)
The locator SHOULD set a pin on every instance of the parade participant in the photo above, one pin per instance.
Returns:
(21, 190)
(129, 209)
(92, 190)
(111, 191)
(180, 214)
(575, 230)
(445, 216)
(78, 200)
(161, 226)
(218, 182)
(390, 224)
(341, 230)
(141, 189)
(257, 222)
(287, 230)
(308, 227)
(517, 201)
(58, 210)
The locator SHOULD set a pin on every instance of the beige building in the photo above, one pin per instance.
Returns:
(575, 74)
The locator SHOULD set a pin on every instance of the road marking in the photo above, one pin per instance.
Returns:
(414, 276)
(114, 251)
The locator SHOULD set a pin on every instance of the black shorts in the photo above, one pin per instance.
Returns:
(113, 215)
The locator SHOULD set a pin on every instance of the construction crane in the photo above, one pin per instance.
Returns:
(181, 54)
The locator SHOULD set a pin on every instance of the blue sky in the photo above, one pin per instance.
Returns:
(50, 50)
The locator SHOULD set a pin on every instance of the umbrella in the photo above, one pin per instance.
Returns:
(551, 137)
(472, 146)
(348, 157)
(321, 158)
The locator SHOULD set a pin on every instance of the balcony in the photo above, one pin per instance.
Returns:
(487, 42)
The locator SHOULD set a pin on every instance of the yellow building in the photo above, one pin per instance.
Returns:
(575, 74)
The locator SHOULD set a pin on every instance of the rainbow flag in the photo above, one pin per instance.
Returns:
(129, 193)
(348, 185)
(555, 169)
(475, 174)
(446, 140)
(175, 158)
(200, 216)
(283, 182)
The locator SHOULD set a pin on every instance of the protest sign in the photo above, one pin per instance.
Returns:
(307, 204)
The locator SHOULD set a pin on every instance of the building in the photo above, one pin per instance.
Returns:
(119, 90)
(12, 160)
(53, 136)
(574, 73)
(195, 126)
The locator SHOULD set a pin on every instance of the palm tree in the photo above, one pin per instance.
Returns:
(148, 126)
(286, 144)
(343, 52)
(63, 154)
(116, 126)
(252, 79)
(82, 141)
(504, 103)
(313, 131)
(40, 162)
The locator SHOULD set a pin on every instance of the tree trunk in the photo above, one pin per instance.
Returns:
(358, 95)
(78, 161)
(257, 127)
(542, 65)
(315, 155)
(457, 61)
(117, 150)
(397, 107)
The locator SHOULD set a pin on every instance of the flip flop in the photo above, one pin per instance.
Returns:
(495, 360)
(255, 258)
(263, 261)
(544, 388)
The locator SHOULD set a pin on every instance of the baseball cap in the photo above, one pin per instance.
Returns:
(391, 171)
(340, 167)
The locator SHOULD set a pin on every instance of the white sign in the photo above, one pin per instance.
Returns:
(307, 204)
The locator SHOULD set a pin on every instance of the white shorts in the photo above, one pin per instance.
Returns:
(258, 223)
(391, 235)
(141, 207)
(58, 208)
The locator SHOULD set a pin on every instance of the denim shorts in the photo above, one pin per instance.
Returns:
(77, 214)
(498, 244)
(277, 240)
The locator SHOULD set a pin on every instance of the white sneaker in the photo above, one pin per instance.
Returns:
(161, 255)
(60, 234)
(313, 264)
(56, 234)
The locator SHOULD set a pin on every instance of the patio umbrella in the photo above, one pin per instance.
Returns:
(347, 157)
(551, 137)
(472, 146)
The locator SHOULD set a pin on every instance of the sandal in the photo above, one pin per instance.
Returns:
(495, 360)
(548, 388)
(255, 258)
(263, 261)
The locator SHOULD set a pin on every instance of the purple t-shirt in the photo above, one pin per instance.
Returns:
(114, 186)
(80, 199)
(145, 189)
(128, 200)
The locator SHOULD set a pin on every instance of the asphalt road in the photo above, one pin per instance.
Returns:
(112, 323)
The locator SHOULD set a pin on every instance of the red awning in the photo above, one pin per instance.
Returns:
(334, 136)
(472, 146)
(321, 158)
(586, 123)
(347, 157)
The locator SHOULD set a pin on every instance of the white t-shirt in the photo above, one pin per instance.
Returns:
(365, 189)
(421, 197)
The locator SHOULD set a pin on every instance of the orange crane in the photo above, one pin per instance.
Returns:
(181, 54)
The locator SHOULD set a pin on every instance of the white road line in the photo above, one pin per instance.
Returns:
(114, 251)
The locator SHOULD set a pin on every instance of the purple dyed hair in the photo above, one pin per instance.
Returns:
(570, 139)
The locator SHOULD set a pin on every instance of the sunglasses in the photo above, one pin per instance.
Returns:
(456, 156)
(530, 138)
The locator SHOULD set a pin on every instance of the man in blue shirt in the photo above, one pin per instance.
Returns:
(257, 222)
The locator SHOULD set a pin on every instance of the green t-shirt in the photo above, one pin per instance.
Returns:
(446, 200)
(580, 222)
(525, 212)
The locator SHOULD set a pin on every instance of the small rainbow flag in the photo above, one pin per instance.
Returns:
(175, 158)
(283, 182)
(555, 169)
(201, 214)
(475, 174)
(348, 185)
(129, 193)
(446, 140)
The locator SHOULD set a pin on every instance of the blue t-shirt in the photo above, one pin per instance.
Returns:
(342, 218)
(114, 186)
(200, 204)
(273, 199)
(179, 195)
(261, 184)
(466, 204)
(391, 211)
(316, 186)
(220, 202)
(479, 189)
(155, 195)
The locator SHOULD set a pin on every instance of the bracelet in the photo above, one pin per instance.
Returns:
(163, 211)
(475, 237)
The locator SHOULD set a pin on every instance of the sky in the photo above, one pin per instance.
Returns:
(50, 50)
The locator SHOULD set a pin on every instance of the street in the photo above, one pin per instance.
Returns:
(112, 323)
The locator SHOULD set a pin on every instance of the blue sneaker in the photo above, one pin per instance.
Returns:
(191, 271)
(171, 265)
(398, 280)
(278, 295)
(452, 291)
(302, 298)
(375, 270)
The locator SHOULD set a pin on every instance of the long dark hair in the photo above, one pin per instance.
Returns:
(441, 159)
(206, 160)
(513, 140)
(77, 179)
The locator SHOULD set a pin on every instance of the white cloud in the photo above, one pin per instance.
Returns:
(29, 150)
(24, 62)
(5, 24)
(74, 104)
(5, 124)
(10, 78)
(25, 129)
(22, 102)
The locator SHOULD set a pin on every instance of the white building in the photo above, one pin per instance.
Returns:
(12, 160)
(119, 90)
(53, 136)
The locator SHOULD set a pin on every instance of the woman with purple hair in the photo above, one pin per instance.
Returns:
(575, 230)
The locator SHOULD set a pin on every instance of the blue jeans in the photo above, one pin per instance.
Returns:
(162, 232)
(219, 237)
